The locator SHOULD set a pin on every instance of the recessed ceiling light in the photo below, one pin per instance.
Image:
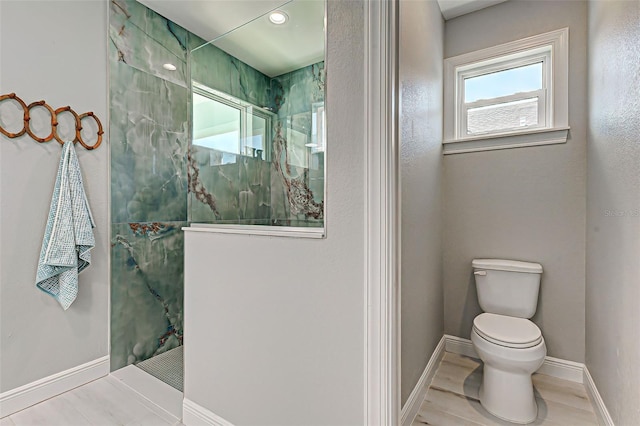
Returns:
(169, 67)
(278, 17)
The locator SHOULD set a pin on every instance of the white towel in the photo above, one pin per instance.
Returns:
(68, 237)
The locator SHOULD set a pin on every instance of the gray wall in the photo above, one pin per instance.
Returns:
(613, 208)
(525, 203)
(275, 325)
(420, 74)
(63, 62)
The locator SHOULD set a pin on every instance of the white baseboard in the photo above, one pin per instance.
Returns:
(196, 415)
(460, 346)
(562, 369)
(33, 393)
(602, 413)
(555, 367)
(411, 407)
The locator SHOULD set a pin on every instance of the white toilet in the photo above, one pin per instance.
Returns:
(511, 346)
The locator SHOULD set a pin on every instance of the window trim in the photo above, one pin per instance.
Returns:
(525, 51)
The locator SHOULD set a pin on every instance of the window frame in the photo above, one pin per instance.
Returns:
(549, 48)
(540, 55)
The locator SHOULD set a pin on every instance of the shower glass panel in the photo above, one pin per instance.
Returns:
(258, 143)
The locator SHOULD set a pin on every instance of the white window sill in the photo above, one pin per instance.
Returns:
(263, 230)
(535, 137)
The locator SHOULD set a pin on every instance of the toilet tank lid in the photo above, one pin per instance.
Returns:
(507, 265)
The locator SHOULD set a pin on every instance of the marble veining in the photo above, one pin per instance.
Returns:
(145, 40)
(147, 290)
(149, 143)
(300, 173)
(214, 68)
(197, 188)
(288, 188)
(301, 199)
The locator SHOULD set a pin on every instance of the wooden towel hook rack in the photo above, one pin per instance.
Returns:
(26, 127)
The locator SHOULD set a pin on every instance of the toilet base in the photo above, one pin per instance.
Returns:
(508, 396)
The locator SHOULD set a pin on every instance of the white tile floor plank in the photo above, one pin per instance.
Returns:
(452, 398)
(562, 391)
(6, 421)
(430, 414)
(151, 419)
(103, 402)
(53, 412)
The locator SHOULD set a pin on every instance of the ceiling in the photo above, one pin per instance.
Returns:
(210, 19)
(278, 49)
(271, 49)
(453, 8)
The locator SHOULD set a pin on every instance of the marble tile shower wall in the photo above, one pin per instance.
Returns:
(237, 192)
(149, 144)
(297, 178)
(159, 184)
(287, 186)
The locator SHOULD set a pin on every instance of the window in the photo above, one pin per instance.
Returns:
(229, 127)
(508, 96)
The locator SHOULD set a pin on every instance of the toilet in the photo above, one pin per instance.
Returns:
(509, 344)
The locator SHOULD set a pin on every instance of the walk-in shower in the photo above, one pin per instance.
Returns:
(203, 132)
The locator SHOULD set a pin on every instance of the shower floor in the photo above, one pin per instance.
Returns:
(167, 367)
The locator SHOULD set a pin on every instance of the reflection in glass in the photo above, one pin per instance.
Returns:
(258, 137)
(526, 78)
(216, 126)
(503, 116)
(229, 127)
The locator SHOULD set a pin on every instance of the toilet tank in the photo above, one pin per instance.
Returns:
(507, 287)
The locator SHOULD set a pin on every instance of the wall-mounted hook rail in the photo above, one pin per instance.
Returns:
(26, 127)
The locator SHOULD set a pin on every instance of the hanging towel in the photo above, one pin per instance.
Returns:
(68, 237)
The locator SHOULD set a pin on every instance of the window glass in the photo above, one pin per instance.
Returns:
(502, 116)
(257, 136)
(217, 126)
(503, 83)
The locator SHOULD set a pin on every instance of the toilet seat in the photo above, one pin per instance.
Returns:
(511, 332)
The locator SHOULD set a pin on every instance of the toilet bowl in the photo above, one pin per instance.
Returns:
(510, 345)
(511, 351)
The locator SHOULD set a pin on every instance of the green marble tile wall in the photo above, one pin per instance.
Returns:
(297, 184)
(149, 143)
(236, 192)
(146, 291)
(286, 187)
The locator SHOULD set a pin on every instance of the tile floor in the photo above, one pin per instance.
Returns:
(104, 402)
(452, 398)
